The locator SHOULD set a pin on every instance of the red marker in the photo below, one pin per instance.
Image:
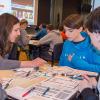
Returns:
(25, 94)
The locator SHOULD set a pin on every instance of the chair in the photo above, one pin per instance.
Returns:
(48, 55)
(23, 53)
(33, 51)
(56, 53)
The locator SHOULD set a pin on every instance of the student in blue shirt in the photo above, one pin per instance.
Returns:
(78, 42)
(42, 32)
(92, 27)
(78, 46)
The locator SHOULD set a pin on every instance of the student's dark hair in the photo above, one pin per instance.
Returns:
(7, 21)
(50, 27)
(61, 28)
(74, 21)
(43, 25)
(92, 22)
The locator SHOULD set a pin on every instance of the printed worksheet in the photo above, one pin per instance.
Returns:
(57, 88)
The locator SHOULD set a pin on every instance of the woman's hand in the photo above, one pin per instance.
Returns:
(39, 62)
(34, 63)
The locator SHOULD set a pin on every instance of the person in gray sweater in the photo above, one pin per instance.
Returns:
(9, 31)
(53, 37)
(23, 39)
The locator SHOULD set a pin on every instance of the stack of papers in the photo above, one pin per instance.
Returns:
(59, 89)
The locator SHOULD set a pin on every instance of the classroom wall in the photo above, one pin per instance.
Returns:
(55, 11)
(44, 11)
(70, 7)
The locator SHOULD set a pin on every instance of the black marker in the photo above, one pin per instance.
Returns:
(47, 89)
(7, 84)
(28, 73)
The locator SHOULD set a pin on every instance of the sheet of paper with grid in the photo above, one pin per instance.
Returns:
(60, 88)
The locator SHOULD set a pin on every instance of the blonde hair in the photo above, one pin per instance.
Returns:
(23, 21)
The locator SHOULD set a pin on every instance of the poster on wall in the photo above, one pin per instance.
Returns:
(23, 11)
(5, 6)
(20, 9)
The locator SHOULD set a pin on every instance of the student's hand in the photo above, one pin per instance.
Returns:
(91, 80)
(87, 83)
(84, 84)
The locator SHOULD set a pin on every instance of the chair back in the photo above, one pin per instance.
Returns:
(56, 52)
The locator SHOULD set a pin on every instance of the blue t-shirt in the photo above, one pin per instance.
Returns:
(84, 57)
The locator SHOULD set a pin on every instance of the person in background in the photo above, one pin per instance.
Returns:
(53, 37)
(41, 33)
(23, 39)
(9, 31)
(36, 28)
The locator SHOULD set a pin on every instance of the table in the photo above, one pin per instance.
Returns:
(61, 87)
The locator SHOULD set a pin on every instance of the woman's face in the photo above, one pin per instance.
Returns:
(15, 33)
(72, 34)
(95, 39)
(24, 26)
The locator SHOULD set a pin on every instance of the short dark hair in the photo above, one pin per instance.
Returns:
(50, 27)
(74, 21)
(7, 21)
(61, 28)
(92, 22)
(43, 25)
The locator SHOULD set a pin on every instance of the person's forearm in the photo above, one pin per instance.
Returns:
(9, 64)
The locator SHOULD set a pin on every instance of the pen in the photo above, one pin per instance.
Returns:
(7, 84)
(26, 93)
(47, 89)
(77, 76)
(28, 73)
(81, 77)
